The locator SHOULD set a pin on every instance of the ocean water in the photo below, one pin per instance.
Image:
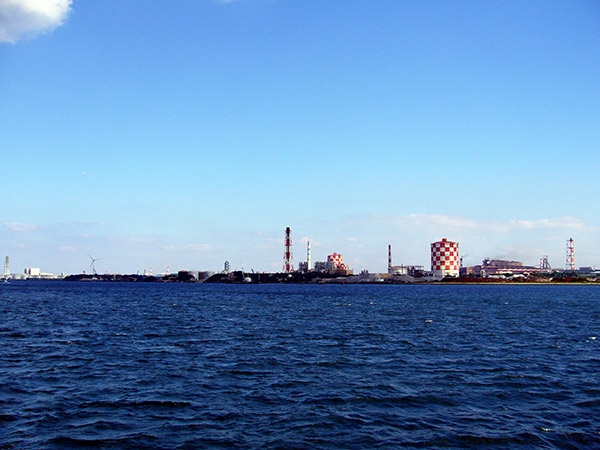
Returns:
(193, 366)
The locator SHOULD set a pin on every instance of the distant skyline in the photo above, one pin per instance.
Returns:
(187, 133)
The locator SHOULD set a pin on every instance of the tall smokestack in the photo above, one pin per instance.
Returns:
(287, 254)
(389, 257)
(308, 260)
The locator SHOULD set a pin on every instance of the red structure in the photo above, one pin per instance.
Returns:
(336, 262)
(288, 267)
(444, 258)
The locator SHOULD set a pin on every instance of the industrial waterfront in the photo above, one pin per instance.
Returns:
(446, 267)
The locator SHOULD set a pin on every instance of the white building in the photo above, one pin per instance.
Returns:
(33, 271)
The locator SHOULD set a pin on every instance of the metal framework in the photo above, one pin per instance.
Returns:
(570, 262)
(544, 264)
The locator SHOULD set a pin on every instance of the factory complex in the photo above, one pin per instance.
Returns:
(446, 266)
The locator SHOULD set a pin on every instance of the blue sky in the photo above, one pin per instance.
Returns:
(185, 133)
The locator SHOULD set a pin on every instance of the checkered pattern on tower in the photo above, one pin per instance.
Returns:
(444, 257)
(338, 260)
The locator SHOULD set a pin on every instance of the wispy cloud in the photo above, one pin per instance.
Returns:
(561, 222)
(16, 226)
(21, 19)
(138, 240)
(304, 239)
(67, 248)
(437, 219)
(453, 223)
(194, 247)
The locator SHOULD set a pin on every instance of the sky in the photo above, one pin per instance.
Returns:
(184, 133)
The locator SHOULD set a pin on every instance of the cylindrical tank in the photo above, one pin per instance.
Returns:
(444, 258)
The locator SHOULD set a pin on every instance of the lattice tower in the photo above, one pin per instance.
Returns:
(544, 264)
(570, 262)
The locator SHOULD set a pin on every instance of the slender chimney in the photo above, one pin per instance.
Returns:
(287, 254)
(389, 257)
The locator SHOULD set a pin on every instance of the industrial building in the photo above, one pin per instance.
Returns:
(306, 267)
(498, 267)
(32, 271)
(333, 265)
(402, 270)
(444, 258)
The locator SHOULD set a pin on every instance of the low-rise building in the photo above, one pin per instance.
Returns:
(496, 267)
(333, 265)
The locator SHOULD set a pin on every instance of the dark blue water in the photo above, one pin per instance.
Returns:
(96, 365)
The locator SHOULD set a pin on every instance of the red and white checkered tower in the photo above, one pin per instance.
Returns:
(287, 254)
(335, 262)
(444, 258)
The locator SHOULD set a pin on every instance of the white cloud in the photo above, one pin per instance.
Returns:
(138, 240)
(561, 222)
(454, 223)
(438, 219)
(20, 19)
(16, 226)
(67, 248)
(195, 247)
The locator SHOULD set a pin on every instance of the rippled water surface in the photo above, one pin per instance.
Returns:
(100, 365)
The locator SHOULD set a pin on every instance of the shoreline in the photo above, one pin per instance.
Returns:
(317, 281)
